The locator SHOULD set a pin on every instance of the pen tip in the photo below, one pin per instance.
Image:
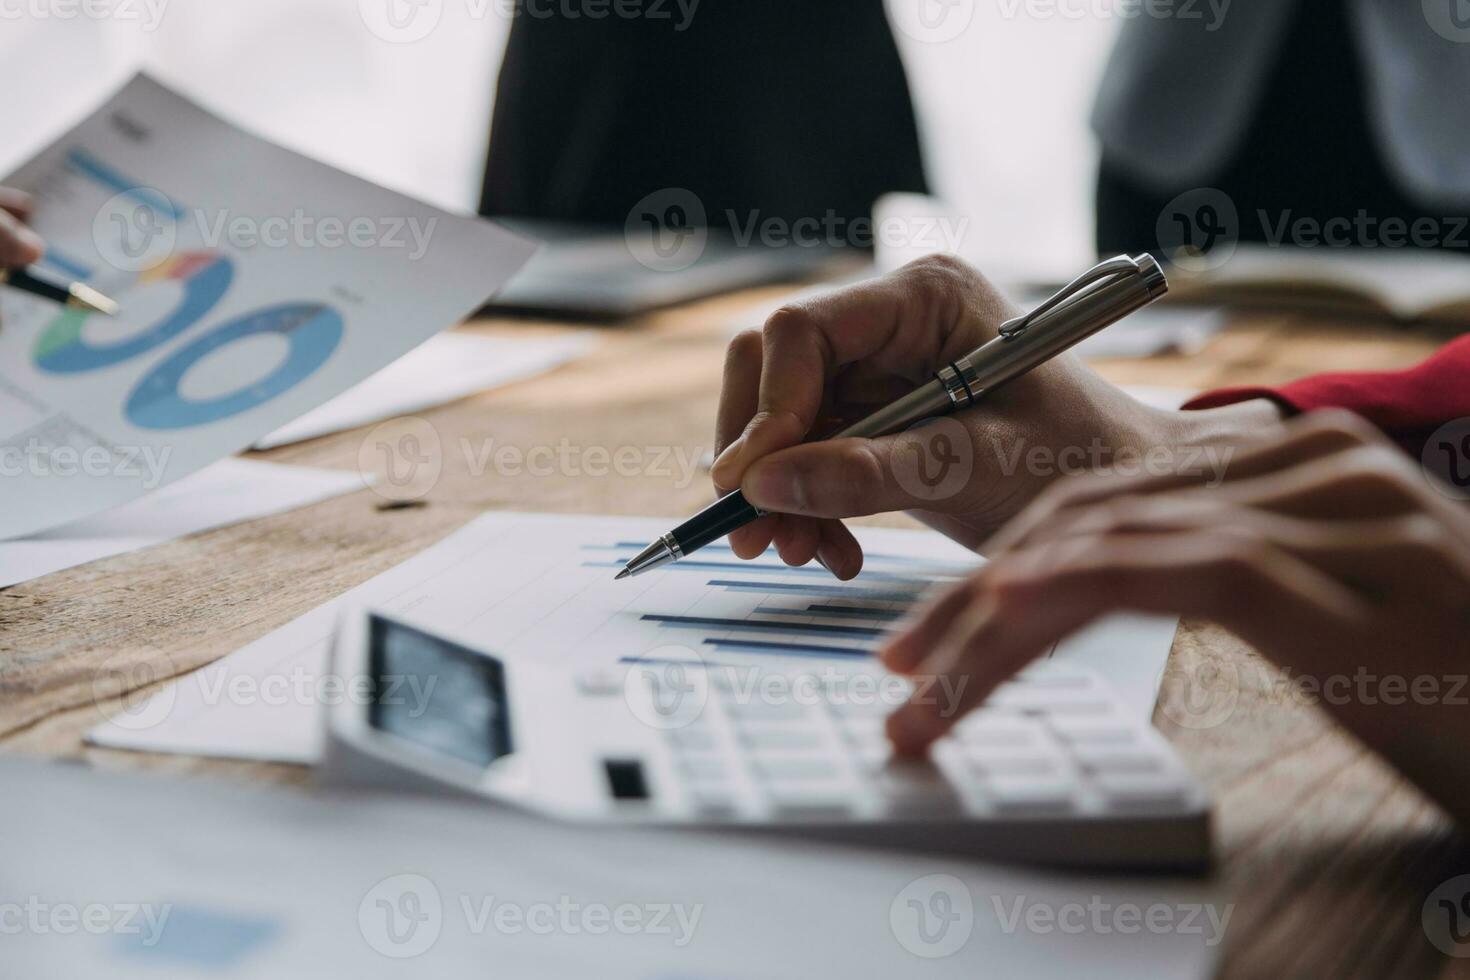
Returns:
(622, 575)
(90, 299)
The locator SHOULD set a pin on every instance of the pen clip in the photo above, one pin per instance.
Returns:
(1109, 269)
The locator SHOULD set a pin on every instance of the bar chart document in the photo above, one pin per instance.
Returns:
(540, 586)
(255, 284)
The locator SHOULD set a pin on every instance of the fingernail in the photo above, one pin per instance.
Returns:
(726, 470)
(830, 561)
(891, 655)
(911, 729)
(773, 487)
(901, 660)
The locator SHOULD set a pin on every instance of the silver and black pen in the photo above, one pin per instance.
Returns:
(1098, 298)
(74, 294)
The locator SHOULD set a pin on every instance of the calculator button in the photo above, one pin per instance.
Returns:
(1026, 795)
(987, 730)
(803, 801)
(1093, 731)
(875, 706)
(703, 767)
(1067, 708)
(693, 740)
(711, 802)
(915, 789)
(866, 728)
(764, 711)
(1041, 701)
(1132, 789)
(1008, 764)
(1054, 680)
(781, 740)
(796, 767)
(870, 757)
(1109, 759)
(866, 734)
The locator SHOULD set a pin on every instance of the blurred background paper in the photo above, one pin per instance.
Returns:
(228, 492)
(264, 882)
(1402, 284)
(448, 366)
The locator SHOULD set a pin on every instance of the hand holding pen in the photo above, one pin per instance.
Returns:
(20, 246)
(822, 365)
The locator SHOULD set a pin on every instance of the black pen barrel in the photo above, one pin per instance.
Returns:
(25, 281)
(730, 512)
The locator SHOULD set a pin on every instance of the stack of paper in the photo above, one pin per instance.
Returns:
(228, 492)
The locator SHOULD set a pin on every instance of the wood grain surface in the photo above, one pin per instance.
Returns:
(1327, 855)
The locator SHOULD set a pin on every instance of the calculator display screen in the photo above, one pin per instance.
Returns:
(437, 694)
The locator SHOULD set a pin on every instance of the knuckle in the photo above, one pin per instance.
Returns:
(941, 273)
(1009, 579)
(1379, 469)
(782, 424)
(1060, 496)
(1118, 513)
(1422, 531)
(1242, 560)
(1107, 515)
(787, 322)
(1341, 421)
(1092, 562)
(944, 263)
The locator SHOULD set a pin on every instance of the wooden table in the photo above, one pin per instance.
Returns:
(1327, 854)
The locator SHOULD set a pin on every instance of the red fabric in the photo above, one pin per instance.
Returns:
(1407, 405)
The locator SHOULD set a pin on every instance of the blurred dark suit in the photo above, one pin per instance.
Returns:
(1316, 108)
(793, 108)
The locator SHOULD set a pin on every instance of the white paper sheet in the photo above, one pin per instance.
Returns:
(541, 586)
(447, 367)
(227, 492)
(255, 285)
(263, 883)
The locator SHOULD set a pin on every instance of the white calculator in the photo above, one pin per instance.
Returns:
(1054, 769)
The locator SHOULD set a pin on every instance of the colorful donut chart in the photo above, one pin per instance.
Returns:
(206, 276)
(313, 330)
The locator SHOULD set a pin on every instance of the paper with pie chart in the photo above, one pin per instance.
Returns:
(255, 285)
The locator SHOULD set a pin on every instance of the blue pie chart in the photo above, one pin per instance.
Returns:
(205, 276)
(312, 330)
